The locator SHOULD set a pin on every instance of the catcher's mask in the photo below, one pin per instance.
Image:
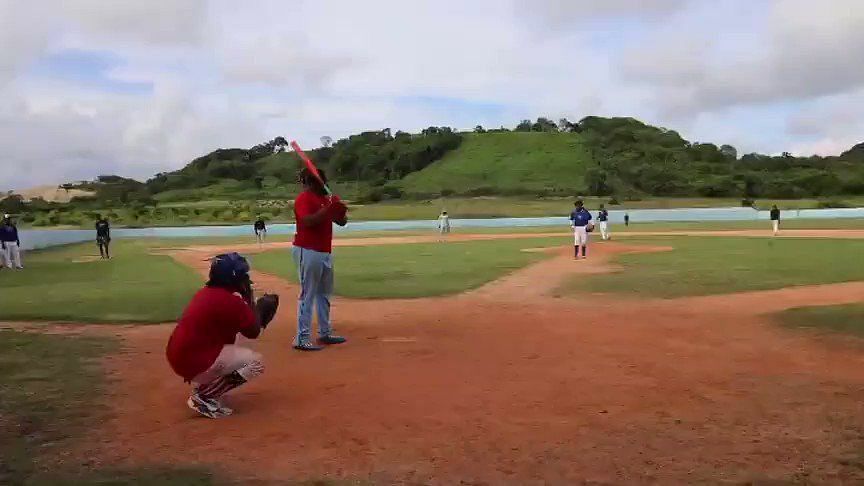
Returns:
(229, 270)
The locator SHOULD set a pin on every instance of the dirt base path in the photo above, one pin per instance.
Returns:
(505, 385)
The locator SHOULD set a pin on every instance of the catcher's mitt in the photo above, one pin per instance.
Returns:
(266, 307)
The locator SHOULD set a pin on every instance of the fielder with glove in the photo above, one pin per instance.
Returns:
(580, 222)
(202, 348)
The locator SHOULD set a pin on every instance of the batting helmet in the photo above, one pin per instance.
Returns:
(229, 270)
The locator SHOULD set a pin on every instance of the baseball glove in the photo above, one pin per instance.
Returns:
(266, 308)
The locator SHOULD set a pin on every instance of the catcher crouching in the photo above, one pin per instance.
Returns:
(201, 349)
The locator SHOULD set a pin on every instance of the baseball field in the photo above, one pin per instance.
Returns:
(673, 354)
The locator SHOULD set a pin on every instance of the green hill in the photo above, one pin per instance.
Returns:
(506, 163)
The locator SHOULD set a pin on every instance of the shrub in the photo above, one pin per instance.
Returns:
(613, 201)
(747, 202)
(376, 194)
(392, 192)
(832, 204)
(482, 191)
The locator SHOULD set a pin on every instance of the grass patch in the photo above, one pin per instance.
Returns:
(842, 319)
(50, 390)
(704, 266)
(501, 162)
(47, 389)
(65, 284)
(416, 270)
(788, 224)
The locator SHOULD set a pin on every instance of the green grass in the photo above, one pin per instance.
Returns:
(704, 266)
(505, 162)
(504, 207)
(842, 319)
(132, 287)
(416, 270)
(47, 385)
(741, 225)
(50, 397)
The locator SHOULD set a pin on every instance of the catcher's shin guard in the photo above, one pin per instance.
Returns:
(221, 385)
(226, 383)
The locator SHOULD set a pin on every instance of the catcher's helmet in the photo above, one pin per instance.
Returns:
(228, 270)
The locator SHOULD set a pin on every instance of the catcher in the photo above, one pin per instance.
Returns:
(202, 350)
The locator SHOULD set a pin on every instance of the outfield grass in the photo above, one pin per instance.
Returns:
(65, 284)
(415, 270)
(842, 319)
(50, 397)
(505, 162)
(706, 265)
(507, 207)
(789, 224)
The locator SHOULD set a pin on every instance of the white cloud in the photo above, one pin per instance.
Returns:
(24, 34)
(159, 22)
(557, 14)
(762, 75)
(805, 50)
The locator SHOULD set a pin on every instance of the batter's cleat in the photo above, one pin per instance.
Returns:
(307, 346)
(206, 407)
(331, 340)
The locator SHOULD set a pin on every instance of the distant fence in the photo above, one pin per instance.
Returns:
(38, 238)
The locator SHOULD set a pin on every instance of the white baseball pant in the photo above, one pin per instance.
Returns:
(604, 229)
(12, 255)
(244, 361)
(580, 236)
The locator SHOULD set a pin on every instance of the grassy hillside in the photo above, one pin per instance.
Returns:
(506, 163)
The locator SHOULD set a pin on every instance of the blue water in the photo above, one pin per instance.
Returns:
(35, 238)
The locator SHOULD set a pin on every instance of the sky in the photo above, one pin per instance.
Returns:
(89, 87)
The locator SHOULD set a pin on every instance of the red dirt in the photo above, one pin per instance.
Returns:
(505, 385)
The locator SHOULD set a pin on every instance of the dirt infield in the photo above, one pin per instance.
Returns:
(507, 385)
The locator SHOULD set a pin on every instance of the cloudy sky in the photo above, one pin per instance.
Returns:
(91, 87)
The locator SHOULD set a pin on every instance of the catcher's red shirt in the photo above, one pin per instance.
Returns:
(212, 319)
(320, 236)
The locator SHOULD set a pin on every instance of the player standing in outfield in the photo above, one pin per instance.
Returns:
(580, 219)
(201, 349)
(103, 237)
(775, 219)
(626, 219)
(315, 213)
(10, 243)
(443, 225)
(260, 230)
(603, 218)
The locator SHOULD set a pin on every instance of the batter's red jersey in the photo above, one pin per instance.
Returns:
(212, 319)
(320, 236)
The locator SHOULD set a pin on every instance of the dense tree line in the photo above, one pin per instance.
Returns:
(379, 157)
(626, 157)
(629, 156)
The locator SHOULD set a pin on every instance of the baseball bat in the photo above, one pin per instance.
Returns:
(310, 166)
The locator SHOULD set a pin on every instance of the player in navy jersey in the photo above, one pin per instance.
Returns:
(580, 221)
(603, 218)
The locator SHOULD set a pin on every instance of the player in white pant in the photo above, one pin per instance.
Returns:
(775, 219)
(580, 219)
(10, 244)
(603, 218)
(443, 225)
